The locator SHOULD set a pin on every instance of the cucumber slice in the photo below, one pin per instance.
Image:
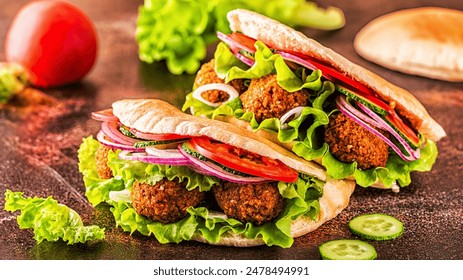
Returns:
(376, 226)
(361, 99)
(347, 249)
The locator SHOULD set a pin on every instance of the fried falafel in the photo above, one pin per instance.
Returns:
(254, 203)
(166, 201)
(350, 142)
(206, 75)
(101, 160)
(266, 99)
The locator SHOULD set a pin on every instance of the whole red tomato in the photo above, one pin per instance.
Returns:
(54, 40)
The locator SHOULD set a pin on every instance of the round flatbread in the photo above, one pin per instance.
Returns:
(423, 41)
(282, 37)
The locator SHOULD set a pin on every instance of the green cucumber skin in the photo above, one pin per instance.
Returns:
(409, 142)
(378, 227)
(358, 98)
(124, 130)
(378, 110)
(192, 152)
(347, 249)
(144, 144)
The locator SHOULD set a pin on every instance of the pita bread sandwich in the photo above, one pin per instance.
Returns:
(423, 41)
(285, 87)
(182, 177)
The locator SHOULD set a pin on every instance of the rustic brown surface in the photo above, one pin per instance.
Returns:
(38, 150)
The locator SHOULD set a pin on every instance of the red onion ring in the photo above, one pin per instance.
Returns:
(296, 112)
(111, 130)
(232, 44)
(359, 121)
(101, 138)
(145, 157)
(244, 59)
(231, 91)
(413, 154)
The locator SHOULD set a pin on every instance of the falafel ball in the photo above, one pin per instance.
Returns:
(166, 201)
(101, 160)
(254, 203)
(266, 99)
(351, 142)
(206, 75)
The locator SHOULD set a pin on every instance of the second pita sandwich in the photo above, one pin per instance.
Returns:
(275, 82)
(180, 177)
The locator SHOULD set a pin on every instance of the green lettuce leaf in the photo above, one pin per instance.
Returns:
(179, 31)
(50, 220)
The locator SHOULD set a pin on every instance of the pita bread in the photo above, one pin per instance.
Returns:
(156, 116)
(280, 36)
(423, 41)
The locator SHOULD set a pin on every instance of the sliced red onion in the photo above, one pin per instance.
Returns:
(413, 154)
(359, 121)
(359, 114)
(231, 91)
(232, 44)
(209, 168)
(111, 130)
(244, 59)
(101, 137)
(302, 62)
(145, 157)
(166, 153)
(104, 116)
(296, 112)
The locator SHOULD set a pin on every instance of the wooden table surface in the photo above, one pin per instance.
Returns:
(38, 150)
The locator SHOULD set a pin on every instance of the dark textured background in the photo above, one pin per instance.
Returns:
(38, 150)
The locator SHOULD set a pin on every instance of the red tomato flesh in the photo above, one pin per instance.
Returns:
(54, 40)
(244, 161)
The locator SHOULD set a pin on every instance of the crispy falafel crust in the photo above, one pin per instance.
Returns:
(282, 37)
(166, 201)
(255, 203)
(101, 161)
(266, 99)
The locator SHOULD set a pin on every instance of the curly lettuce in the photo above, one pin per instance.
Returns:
(302, 200)
(304, 133)
(50, 220)
(179, 31)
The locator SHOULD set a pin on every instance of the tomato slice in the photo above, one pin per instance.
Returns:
(156, 137)
(105, 115)
(244, 161)
(243, 42)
